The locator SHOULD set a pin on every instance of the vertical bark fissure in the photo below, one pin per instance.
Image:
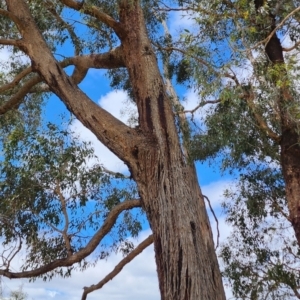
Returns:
(186, 262)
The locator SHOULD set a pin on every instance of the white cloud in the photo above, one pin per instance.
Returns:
(191, 100)
(110, 161)
(138, 280)
(287, 42)
(180, 20)
(4, 54)
(117, 104)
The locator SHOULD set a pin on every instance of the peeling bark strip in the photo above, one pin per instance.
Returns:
(290, 139)
(187, 265)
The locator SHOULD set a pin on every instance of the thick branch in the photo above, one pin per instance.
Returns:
(83, 253)
(10, 42)
(94, 11)
(118, 268)
(7, 14)
(109, 60)
(118, 137)
(17, 98)
(16, 80)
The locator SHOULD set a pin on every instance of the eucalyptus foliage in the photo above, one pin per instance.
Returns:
(55, 193)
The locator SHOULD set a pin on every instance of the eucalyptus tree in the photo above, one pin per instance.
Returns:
(120, 37)
(243, 62)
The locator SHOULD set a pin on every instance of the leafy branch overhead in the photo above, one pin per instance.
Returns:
(240, 59)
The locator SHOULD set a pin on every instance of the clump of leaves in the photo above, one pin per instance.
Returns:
(55, 196)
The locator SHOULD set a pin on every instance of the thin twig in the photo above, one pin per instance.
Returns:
(192, 111)
(291, 48)
(216, 219)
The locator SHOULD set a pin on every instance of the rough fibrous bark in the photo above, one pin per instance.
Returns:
(186, 261)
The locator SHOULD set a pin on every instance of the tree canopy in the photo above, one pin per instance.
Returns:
(241, 60)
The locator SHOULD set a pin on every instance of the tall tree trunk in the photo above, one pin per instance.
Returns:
(290, 139)
(186, 262)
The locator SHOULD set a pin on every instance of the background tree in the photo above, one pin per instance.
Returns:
(18, 295)
(250, 80)
(166, 179)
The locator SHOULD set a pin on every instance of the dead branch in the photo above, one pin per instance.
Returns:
(216, 219)
(118, 268)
